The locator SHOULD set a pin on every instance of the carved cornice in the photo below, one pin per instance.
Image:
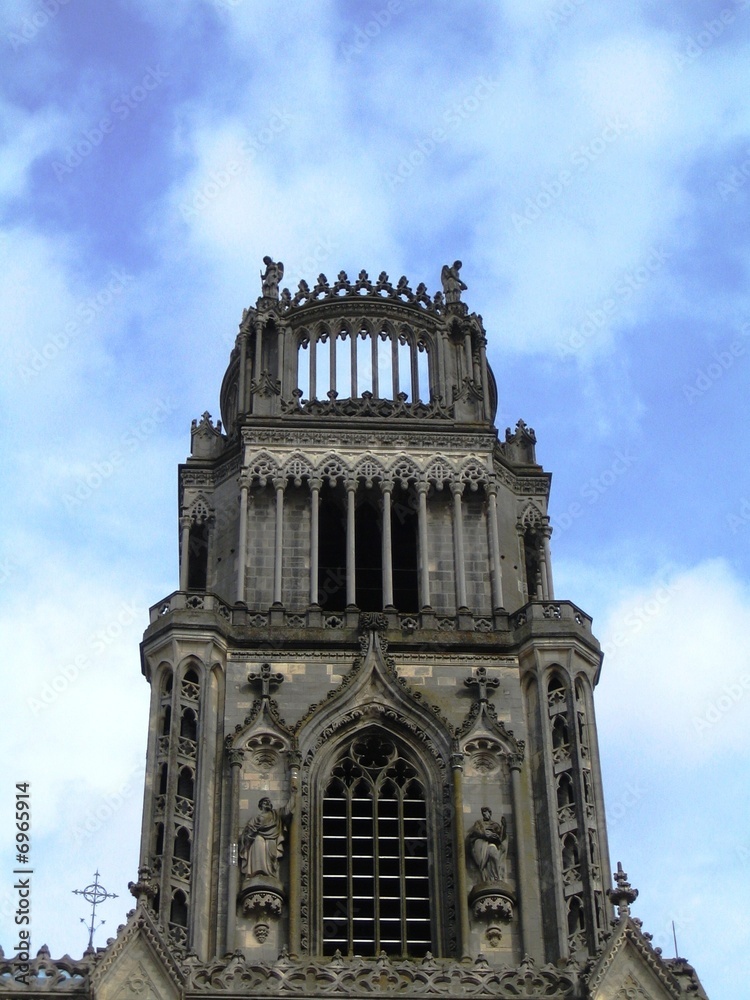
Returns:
(382, 977)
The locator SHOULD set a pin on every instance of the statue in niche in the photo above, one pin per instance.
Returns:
(261, 845)
(452, 284)
(488, 843)
(270, 280)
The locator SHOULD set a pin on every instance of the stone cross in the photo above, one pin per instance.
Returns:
(482, 682)
(266, 679)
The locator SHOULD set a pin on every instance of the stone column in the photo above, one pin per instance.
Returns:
(462, 891)
(457, 490)
(313, 388)
(295, 854)
(387, 549)
(546, 533)
(185, 522)
(469, 356)
(497, 571)
(314, 538)
(524, 875)
(351, 579)
(242, 388)
(424, 557)
(414, 361)
(235, 764)
(242, 555)
(354, 388)
(485, 378)
(279, 485)
(258, 351)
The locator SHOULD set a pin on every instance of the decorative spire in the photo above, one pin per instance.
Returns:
(623, 894)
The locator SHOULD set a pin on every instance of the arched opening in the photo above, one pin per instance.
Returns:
(368, 548)
(198, 556)
(559, 733)
(159, 840)
(375, 874)
(190, 684)
(163, 779)
(405, 558)
(532, 563)
(166, 723)
(332, 550)
(189, 725)
(569, 852)
(178, 913)
(576, 920)
(565, 796)
(182, 848)
(186, 784)
(166, 684)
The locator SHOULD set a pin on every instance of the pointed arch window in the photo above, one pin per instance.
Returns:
(375, 864)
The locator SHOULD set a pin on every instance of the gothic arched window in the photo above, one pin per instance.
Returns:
(375, 866)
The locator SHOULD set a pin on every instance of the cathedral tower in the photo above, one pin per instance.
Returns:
(366, 638)
(372, 764)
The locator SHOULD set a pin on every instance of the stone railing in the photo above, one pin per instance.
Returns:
(550, 612)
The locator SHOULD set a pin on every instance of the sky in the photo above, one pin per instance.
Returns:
(588, 162)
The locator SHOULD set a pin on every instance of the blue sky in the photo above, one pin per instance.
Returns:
(588, 162)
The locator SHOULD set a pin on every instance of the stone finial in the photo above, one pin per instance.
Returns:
(623, 894)
(520, 446)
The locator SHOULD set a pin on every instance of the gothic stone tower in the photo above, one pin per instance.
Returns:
(372, 747)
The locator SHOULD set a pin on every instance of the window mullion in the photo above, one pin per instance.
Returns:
(376, 867)
(402, 869)
(349, 902)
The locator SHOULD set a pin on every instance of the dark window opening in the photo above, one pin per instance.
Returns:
(576, 921)
(186, 784)
(182, 848)
(159, 848)
(163, 779)
(404, 545)
(331, 551)
(532, 563)
(375, 870)
(178, 913)
(189, 725)
(565, 795)
(368, 549)
(198, 556)
(166, 721)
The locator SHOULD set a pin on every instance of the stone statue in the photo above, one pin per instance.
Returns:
(261, 844)
(488, 843)
(452, 284)
(270, 280)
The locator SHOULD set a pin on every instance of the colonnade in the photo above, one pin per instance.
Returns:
(386, 486)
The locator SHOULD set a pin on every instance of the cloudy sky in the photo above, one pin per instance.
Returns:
(590, 164)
